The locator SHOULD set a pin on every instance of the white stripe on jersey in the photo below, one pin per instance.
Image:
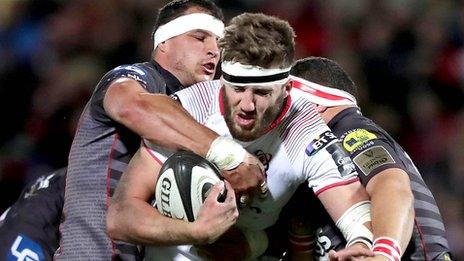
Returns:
(302, 121)
(199, 98)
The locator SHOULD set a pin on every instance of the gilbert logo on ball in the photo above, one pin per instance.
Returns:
(184, 183)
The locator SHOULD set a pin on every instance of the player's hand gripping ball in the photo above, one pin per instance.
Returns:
(184, 182)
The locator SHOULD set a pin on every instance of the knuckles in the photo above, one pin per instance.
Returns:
(246, 177)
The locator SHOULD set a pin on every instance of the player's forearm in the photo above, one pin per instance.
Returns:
(164, 122)
(156, 117)
(137, 222)
(349, 207)
(351, 194)
(392, 207)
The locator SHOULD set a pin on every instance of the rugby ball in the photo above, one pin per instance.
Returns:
(184, 183)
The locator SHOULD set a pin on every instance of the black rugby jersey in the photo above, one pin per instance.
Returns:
(373, 150)
(99, 154)
(29, 228)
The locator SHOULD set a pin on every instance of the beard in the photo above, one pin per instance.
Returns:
(261, 124)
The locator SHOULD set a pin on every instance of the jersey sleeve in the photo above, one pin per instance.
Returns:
(314, 150)
(326, 164)
(137, 72)
(371, 152)
(156, 152)
(199, 99)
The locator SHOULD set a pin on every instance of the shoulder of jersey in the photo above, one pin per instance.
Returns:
(214, 84)
(131, 67)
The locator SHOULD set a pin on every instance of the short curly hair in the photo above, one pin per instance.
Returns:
(260, 40)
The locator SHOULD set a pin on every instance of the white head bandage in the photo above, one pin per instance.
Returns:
(323, 95)
(187, 23)
(239, 74)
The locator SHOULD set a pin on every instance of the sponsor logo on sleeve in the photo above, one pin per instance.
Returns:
(25, 248)
(132, 72)
(41, 183)
(135, 77)
(342, 159)
(357, 137)
(320, 142)
(447, 257)
(372, 158)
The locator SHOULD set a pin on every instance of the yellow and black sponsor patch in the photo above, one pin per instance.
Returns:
(446, 257)
(357, 137)
(372, 158)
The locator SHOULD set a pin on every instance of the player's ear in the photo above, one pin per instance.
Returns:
(288, 88)
(162, 47)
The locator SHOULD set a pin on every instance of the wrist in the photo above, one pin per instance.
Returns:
(225, 153)
(199, 235)
(365, 245)
(387, 247)
(351, 224)
(381, 257)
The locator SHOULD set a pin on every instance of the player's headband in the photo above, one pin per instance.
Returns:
(239, 74)
(187, 23)
(323, 95)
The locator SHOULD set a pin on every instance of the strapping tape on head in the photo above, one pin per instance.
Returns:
(238, 74)
(323, 95)
(187, 23)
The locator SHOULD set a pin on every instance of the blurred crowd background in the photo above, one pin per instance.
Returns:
(407, 57)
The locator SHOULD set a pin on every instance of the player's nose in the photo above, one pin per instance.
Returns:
(212, 47)
(247, 101)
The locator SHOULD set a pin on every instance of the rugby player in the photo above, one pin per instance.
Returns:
(252, 103)
(406, 221)
(127, 104)
(29, 228)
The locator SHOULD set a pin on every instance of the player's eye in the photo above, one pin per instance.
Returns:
(262, 92)
(199, 37)
(239, 88)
